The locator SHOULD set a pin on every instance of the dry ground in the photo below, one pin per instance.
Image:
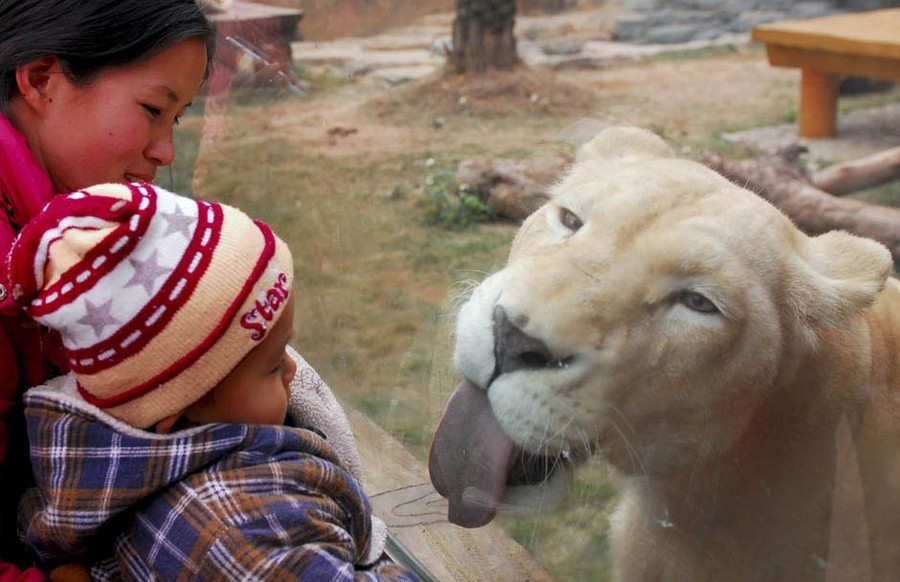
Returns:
(341, 174)
(684, 98)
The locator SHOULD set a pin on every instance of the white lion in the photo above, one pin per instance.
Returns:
(742, 378)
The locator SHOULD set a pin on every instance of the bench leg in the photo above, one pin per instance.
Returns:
(818, 103)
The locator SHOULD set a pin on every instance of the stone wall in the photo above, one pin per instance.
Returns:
(675, 21)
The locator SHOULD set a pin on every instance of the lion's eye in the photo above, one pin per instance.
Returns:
(697, 302)
(569, 219)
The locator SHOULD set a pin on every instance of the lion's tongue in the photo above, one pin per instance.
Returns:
(470, 457)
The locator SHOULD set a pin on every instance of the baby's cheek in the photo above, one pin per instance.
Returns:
(289, 370)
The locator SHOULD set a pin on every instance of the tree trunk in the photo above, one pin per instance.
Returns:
(483, 36)
(515, 188)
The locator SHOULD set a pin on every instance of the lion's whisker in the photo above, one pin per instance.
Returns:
(633, 453)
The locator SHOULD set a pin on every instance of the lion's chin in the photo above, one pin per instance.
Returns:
(542, 496)
(475, 465)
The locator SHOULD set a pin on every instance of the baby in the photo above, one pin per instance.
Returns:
(164, 453)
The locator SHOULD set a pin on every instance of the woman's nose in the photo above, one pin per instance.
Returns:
(161, 150)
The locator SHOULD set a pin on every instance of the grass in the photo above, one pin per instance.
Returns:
(571, 541)
(371, 273)
(377, 281)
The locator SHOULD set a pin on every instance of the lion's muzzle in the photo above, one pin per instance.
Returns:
(516, 350)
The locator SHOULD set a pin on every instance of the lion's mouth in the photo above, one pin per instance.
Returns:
(472, 461)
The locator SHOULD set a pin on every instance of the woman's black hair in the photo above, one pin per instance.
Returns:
(89, 36)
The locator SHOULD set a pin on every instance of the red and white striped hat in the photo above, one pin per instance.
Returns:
(157, 296)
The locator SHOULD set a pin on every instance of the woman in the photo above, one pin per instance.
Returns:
(89, 93)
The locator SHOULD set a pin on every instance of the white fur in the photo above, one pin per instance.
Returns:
(720, 425)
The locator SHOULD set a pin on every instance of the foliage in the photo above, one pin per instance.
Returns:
(571, 539)
(450, 206)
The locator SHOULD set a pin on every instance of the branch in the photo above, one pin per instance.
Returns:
(859, 174)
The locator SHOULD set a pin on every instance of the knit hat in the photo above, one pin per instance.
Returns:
(157, 296)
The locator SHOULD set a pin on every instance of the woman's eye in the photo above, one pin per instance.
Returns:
(157, 112)
(697, 302)
(569, 219)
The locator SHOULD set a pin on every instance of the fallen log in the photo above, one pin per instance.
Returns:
(516, 188)
(860, 174)
(512, 188)
(778, 179)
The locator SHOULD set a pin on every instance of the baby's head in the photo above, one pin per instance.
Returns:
(171, 310)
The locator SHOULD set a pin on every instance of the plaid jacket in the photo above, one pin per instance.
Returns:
(217, 502)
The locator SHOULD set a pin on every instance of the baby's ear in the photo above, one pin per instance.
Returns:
(165, 425)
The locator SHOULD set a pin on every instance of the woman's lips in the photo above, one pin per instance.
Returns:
(139, 178)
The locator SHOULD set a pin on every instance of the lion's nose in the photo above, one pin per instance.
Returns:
(516, 350)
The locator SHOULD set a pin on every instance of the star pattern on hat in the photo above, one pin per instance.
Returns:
(98, 317)
(178, 222)
(146, 271)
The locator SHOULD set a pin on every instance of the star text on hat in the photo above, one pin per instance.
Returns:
(264, 311)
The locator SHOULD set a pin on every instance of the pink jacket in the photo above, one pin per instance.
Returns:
(27, 353)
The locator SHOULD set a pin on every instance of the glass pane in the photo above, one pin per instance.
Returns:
(356, 153)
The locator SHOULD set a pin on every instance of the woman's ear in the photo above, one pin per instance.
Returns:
(34, 79)
(165, 425)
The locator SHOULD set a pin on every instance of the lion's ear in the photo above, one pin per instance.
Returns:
(839, 276)
(625, 145)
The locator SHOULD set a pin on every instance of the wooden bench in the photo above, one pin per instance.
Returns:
(263, 32)
(402, 495)
(864, 44)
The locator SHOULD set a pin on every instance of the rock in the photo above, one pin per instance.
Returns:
(679, 21)
(671, 34)
(562, 47)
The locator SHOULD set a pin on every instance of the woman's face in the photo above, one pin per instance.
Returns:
(119, 127)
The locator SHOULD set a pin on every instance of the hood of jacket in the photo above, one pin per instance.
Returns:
(91, 468)
(24, 190)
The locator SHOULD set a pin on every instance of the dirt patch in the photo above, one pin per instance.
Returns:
(341, 129)
(523, 91)
(442, 110)
(698, 103)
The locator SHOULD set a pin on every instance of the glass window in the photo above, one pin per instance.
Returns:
(725, 388)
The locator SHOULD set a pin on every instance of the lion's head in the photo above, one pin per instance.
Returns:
(644, 312)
